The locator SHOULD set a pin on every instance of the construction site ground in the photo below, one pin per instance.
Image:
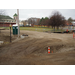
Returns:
(33, 49)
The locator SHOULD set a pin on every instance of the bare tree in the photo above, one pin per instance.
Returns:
(32, 21)
(57, 20)
(37, 22)
(2, 12)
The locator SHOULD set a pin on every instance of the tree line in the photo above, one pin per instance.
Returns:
(55, 20)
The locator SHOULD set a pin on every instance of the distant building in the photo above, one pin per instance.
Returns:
(7, 22)
(68, 23)
(73, 22)
(25, 22)
(20, 23)
(33, 21)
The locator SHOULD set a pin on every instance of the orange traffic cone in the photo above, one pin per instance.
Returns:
(67, 30)
(48, 49)
(73, 34)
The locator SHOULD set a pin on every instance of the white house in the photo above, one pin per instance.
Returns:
(73, 23)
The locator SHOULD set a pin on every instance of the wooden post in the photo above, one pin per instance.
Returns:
(10, 34)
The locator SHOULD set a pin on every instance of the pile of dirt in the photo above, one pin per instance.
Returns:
(6, 37)
(34, 49)
(34, 46)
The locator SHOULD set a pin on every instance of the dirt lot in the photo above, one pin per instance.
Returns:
(34, 49)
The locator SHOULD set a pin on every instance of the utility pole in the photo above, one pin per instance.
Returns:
(18, 21)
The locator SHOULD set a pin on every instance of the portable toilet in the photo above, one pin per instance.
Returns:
(15, 29)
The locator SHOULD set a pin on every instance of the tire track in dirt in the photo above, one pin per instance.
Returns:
(33, 50)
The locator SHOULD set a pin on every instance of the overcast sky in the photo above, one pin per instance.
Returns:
(27, 13)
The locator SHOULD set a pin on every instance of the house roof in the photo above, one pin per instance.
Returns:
(5, 17)
(15, 14)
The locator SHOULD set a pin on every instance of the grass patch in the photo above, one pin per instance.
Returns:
(40, 29)
(35, 29)
(5, 27)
